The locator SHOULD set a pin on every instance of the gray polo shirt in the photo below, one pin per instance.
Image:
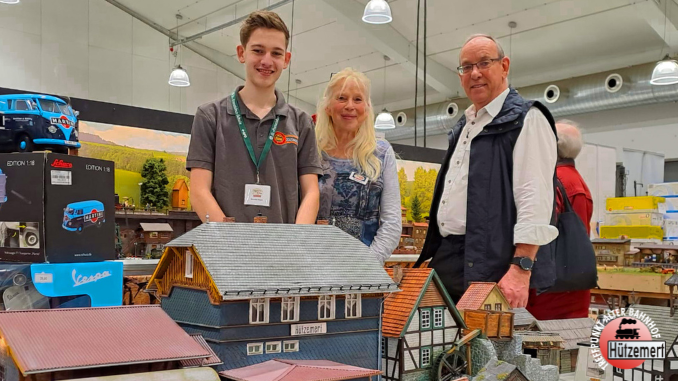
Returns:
(216, 145)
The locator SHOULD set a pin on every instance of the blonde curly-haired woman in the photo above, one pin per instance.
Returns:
(359, 189)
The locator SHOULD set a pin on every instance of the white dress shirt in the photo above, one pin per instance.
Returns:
(534, 163)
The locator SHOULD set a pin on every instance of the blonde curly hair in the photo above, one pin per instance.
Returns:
(364, 144)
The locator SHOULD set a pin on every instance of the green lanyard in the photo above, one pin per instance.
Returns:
(246, 138)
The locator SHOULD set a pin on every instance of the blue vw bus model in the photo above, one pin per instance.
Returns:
(34, 121)
(79, 215)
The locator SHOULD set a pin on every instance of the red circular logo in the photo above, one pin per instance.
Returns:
(623, 330)
(279, 138)
(94, 213)
(66, 123)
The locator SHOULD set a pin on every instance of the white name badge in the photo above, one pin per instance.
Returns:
(358, 178)
(256, 194)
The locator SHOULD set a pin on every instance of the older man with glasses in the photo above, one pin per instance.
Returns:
(492, 216)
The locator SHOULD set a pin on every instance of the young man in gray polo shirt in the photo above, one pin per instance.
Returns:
(252, 153)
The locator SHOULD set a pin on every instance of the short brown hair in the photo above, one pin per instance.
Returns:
(262, 19)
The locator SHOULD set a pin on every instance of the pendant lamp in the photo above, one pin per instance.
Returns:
(9, 1)
(384, 121)
(377, 12)
(179, 77)
(665, 73)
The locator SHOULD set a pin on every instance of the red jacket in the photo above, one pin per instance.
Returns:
(574, 304)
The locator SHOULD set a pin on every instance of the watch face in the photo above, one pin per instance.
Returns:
(526, 263)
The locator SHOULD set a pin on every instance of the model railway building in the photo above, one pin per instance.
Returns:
(419, 323)
(259, 292)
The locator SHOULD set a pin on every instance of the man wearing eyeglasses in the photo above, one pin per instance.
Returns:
(492, 214)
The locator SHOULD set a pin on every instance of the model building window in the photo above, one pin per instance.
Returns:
(189, 264)
(255, 349)
(425, 357)
(425, 319)
(153, 235)
(290, 309)
(353, 309)
(259, 310)
(497, 306)
(438, 318)
(488, 307)
(326, 307)
(273, 347)
(291, 346)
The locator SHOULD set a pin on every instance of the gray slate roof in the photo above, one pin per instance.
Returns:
(247, 259)
(667, 325)
(156, 227)
(494, 368)
(572, 331)
(522, 317)
(673, 281)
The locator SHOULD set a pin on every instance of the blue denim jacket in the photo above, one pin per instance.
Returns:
(348, 202)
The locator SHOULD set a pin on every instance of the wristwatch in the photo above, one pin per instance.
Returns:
(524, 263)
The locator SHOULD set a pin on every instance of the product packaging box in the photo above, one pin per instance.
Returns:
(670, 230)
(648, 204)
(25, 286)
(56, 208)
(671, 203)
(663, 189)
(634, 232)
(634, 219)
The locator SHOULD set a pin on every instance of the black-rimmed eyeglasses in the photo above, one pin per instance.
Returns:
(482, 65)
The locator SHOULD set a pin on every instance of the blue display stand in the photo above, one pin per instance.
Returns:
(101, 281)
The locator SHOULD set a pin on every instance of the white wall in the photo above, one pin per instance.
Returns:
(91, 49)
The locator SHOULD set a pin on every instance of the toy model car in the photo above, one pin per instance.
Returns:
(34, 121)
(79, 215)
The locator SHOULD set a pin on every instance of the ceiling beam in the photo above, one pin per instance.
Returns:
(385, 39)
(224, 61)
(663, 23)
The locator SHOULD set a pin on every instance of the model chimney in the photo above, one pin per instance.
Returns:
(229, 219)
(260, 219)
(397, 274)
(322, 222)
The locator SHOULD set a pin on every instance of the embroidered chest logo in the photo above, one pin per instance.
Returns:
(280, 139)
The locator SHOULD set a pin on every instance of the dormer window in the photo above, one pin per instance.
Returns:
(258, 310)
(289, 310)
(326, 307)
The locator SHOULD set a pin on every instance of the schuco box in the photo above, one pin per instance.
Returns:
(56, 208)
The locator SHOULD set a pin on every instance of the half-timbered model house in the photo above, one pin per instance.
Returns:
(259, 292)
(419, 323)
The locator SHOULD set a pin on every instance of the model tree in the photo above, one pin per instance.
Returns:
(154, 184)
(416, 209)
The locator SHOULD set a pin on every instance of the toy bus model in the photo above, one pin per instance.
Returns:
(30, 121)
(80, 215)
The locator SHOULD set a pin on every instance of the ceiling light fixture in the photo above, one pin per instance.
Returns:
(377, 12)
(178, 77)
(384, 120)
(9, 1)
(666, 70)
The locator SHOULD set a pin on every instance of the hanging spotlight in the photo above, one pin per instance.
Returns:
(9, 1)
(179, 77)
(377, 12)
(384, 121)
(665, 73)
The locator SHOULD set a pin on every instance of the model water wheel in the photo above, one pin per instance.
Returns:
(450, 365)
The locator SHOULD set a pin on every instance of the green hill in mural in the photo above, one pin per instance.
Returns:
(128, 164)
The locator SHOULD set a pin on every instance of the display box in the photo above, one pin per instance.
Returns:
(634, 219)
(56, 208)
(663, 189)
(671, 203)
(26, 286)
(647, 204)
(670, 230)
(634, 232)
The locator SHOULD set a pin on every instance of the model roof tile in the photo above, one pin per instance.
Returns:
(299, 370)
(573, 331)
(247, 260)
(94, 337)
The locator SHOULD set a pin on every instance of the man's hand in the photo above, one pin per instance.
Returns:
(515, 285)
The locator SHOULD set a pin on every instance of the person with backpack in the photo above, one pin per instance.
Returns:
(567, 304)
